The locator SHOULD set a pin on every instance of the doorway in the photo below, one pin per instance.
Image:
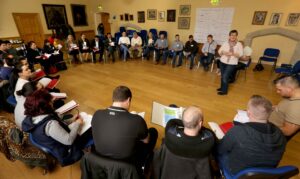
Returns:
(102, 17)
(30, 27)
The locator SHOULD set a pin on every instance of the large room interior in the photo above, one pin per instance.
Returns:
(91, 84)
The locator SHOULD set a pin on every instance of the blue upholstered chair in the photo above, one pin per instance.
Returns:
(164, 32)
(245, 69)
(270, 55)
(289, 70)
(11, 100)
(154, 33)
(283, 172)
(122, 29)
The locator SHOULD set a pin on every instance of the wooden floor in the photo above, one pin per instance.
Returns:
(91, 86)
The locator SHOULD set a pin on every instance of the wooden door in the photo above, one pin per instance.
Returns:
(30, 27)
(105, 21)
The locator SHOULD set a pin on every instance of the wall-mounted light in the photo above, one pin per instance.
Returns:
(100, 8)
(215, 2)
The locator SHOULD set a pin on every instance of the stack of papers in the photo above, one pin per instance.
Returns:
(67, 107)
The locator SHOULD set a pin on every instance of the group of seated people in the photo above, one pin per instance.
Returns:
(188, 146)
(85, 47)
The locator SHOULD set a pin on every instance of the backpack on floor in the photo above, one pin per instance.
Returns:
(258, 67)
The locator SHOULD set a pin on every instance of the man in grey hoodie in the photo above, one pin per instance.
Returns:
(257, 143)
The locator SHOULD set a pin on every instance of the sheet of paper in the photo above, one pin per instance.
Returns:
(87, 122)
(142, 114)
(59, 95)
(241, 116)
(67, 107)
(45, 81)
(214, 21)
(216, 129)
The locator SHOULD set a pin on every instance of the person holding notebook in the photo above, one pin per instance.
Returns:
(50, 132)
(120, 135)
(257, 143)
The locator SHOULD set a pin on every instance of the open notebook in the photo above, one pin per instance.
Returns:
(67, 107)
(161, 114)
(49, 83)
(59, 95)
(222, 129)
(87, 122)
(39, 74)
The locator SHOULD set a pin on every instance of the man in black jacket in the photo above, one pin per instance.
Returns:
(187, 148)
(257, 143)
(190, 51)
(98, 48)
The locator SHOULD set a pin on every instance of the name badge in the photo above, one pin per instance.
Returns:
(192, 45)
(177, 45)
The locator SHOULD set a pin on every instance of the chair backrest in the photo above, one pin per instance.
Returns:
(296, 68)
(130, 33)
(143, 35)
(122, 29)
(249, 62)
(272, 52)
(283, 172)
(117, 36)
(164, 32)
(11, 100)
(154, 33)
(95, 166)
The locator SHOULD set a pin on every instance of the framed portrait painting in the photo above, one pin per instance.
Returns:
(275, 18)
(151, 14)
(293, 19)
(79, 15)
(185, 10)
(184, 22)
(171, 15)
(161, 16)
(126, 17)
(141, 16)
(55, 15)
(259, 18)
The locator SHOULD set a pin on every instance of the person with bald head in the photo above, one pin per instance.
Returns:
(186, 150)
(256, 143)
(286, 115)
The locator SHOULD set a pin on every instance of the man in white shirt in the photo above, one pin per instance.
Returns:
(136, 44)
(230, 53)
(124, 43)
(177, 49)
(243, 62)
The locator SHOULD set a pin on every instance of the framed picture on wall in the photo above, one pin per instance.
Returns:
(131, 17)
(184, 22)
(293, 19)
(161, 16)
(55, 15)
(275, 18)
(171, 15)
(79, 15)
(151, 14)
(141, 16)
(185, 10)
(126, 17)
(121, 17)
(259, 17)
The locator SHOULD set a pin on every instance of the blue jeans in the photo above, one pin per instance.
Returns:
(222, 161)
(163, 52)
(180, 54)
(191, 59)
(206, 60)
(226, 72)
(124, 50)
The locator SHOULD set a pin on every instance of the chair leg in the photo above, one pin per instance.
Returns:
(92, 56)
(212, 65)
(245, 74)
